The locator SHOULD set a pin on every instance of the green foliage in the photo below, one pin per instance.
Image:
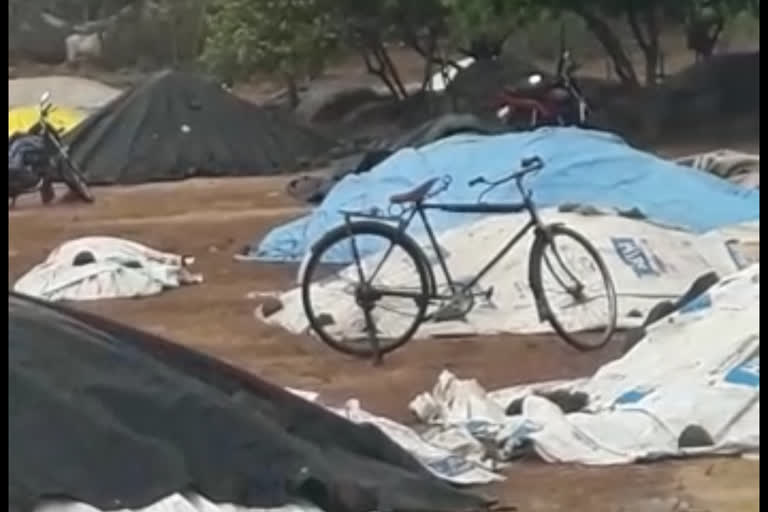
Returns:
(178, 26)
(645, 19)
(494, 19)
(287, 37)
(384, 19)
(294, 37)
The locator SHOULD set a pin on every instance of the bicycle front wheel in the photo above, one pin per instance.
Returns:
(573, 288)
(365, 288)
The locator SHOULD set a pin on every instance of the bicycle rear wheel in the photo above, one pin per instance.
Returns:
(365, 288)
(573, 288)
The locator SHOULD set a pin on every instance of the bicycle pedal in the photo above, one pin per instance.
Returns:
(489, 304)
(447, 313)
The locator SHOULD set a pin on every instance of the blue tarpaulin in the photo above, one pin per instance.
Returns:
(581, 167)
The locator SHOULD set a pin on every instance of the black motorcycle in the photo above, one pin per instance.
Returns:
(38, 158)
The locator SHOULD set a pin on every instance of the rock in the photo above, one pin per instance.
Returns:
(694, 436)
(568, 401)
(270, 306)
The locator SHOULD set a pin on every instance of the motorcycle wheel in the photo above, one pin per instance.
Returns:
(74, 179)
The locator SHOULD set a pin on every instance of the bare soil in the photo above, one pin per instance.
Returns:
(213, 219)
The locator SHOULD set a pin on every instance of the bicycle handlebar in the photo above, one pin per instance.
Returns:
(527, 165)
(531, 164)
(477, 181)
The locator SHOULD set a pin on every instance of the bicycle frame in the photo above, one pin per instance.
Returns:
(420, 209)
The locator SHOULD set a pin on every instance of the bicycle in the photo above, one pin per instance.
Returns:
(459, 298)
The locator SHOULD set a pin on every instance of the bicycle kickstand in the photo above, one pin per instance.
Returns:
(376, 360)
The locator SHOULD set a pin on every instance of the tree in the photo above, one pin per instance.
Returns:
(369, 26)
(497, 18)
(704, 23)
(421, 25)
(644, 18)
(291, 38)
(182, 24)
(479, 28)
(705, 20)
(366, 27)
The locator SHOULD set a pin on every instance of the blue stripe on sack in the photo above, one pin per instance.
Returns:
(745, 374)
(703, 301)
(632, 396)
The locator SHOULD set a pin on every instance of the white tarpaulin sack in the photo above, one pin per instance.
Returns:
(94, 268)
(696, 371)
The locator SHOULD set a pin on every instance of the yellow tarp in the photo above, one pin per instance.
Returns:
(21, 119)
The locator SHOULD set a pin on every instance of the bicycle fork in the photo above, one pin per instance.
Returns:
(542, 310)
(364, 300)
(576, 290)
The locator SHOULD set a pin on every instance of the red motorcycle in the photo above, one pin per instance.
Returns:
(542, 101)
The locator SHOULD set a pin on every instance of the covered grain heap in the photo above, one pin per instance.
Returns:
(103, 414)
(178, 125)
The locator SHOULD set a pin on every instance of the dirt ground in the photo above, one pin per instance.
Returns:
(213, 219)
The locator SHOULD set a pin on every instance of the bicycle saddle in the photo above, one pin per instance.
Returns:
(415, 195)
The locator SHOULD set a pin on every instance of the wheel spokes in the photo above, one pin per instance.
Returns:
(374, 298)
(570, 287)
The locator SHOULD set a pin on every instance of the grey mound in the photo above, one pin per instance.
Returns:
(178, 125)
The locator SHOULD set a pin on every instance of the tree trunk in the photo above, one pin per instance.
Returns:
(648, 39)
(428, 69)
(651, 66)
(429, 60)
(453, 101)
(612, 45)
(378, 63)
(377, 70)
(390, 69)
(293, 90)
(662, 67)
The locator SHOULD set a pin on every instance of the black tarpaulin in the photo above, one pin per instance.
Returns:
(176, 125)
(313, 189)
(108, 415)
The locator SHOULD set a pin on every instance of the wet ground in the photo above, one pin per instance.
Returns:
(214, 219)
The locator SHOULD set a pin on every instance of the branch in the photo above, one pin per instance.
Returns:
(610, 43)
(412, 42)
(377, 71)
(465, 52)
(429, 60)
(505, 36)
(648, 42)
(653, 29)
(719, 26)
(411, 39)
(634, 24)
(383, 56)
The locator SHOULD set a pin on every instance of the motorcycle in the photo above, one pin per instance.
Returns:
(540, 101)
(38, 157)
